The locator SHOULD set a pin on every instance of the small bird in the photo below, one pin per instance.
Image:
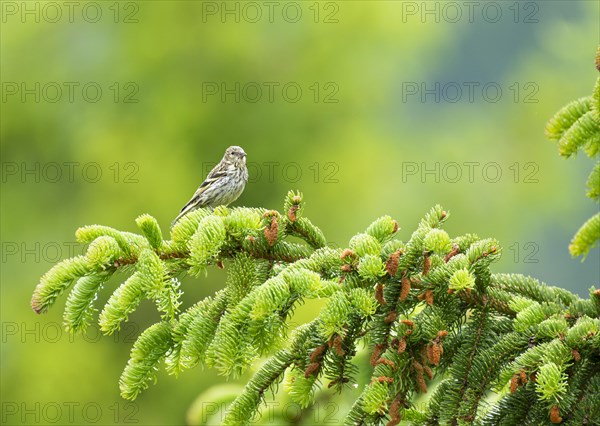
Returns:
(223, 185)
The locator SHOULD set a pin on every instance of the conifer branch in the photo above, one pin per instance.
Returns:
(428, 307)
(424, 309)
(577, 127)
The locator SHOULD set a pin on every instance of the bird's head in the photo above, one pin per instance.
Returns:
(235, 155)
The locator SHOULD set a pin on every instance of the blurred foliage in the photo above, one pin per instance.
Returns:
(577, 127)
(172, 137)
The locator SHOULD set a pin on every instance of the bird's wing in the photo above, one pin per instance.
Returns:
(212, 177)
(217, 172)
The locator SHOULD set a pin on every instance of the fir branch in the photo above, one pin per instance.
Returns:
(56, 281)
(578, 126)
(533, 289)
(194, 331)
(428, 307)
(148, 350)
(587, 237)
(245, 405)
(79, 307)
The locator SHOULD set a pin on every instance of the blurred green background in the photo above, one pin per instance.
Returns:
(153, 105)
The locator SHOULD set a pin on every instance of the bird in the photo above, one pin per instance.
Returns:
(223, 185)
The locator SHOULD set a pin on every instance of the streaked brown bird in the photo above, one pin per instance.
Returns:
(223, 185)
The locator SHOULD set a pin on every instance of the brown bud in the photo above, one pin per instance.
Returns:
(426, 264)
(394, 413)
(442, 333)
(429, 350)
(346, 253)
(337, 345)
(421, 383)
(420, 379)
(427, 296)
(405, 289)
(379, 294)
(391, 266)
(391, 317)
(576, 355)
(312, 367)
(428, 372)
(220, 264)
(385, 361)
(455, 250)
(555, 415)
(417, 366)
(377, 353)
(346, 268)
(319, 350)
(291, 213)
(383, 379)
(408, 323)
(401, 346)
(514, 383)
(436, 353)
(523, 377)
(271, 231)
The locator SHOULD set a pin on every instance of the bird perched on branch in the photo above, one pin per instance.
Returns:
(223, 185)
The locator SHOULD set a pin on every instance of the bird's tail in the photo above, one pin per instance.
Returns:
(176, 219)
(187, 209)
(191, 205)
